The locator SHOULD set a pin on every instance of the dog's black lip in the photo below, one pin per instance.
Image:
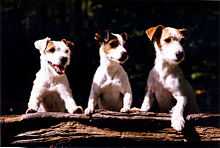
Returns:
(179, 60)
(123, 59)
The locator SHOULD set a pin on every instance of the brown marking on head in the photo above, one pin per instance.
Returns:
(111, 43)
(50, 47)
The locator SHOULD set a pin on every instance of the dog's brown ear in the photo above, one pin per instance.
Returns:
(124, 36)
(42, 44)
(68, 43)
(183, 31)
(106, 35)
(102, 37)
(98, 37)
(154, 32)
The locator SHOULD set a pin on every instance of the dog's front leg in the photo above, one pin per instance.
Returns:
(34, 101)
(127, 100)
(91, 106)
(70, 104)
(147, 103)
(177, 119)
(92, 99)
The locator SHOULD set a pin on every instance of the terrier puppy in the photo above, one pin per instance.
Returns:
(51, 91)
(111, 88)
(166, 82)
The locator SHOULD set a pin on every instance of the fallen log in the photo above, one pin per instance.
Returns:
(105, 128)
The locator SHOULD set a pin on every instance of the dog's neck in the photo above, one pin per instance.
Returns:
(111, 67)
(163, 67)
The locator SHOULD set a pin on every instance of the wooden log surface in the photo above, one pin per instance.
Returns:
(105, 128)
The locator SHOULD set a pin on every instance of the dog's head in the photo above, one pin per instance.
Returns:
(56, 54)
(168, 42)
(112, 46)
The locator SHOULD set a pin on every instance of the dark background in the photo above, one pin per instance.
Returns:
(25, 21)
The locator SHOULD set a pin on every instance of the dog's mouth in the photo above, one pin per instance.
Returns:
(120, 61)
(123, 59)
(179, 57)
(60, 69)
(179, 60)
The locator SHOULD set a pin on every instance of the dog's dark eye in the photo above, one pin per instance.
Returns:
(114, 44)
(168, 40)
(66, 51)
(52, 50)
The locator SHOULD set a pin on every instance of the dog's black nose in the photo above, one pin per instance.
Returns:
(63, 60)
(179, 55)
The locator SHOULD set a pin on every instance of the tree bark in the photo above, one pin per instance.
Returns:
(105, 128)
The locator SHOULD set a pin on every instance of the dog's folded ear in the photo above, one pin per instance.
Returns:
(124, 36)
(183, 31)
(106, 35)
(102, 37)
(154, 33)
(68, 43)
(98, 37)
(42, 44)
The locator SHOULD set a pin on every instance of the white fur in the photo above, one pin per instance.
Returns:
(51, 91)
(110, 88)
(171, 78)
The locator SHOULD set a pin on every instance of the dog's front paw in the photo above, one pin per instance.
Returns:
(145, 108)
(177, 122)
(135, 109)
(78, 110)
(89, 111)
(124, 110)
(29, 110)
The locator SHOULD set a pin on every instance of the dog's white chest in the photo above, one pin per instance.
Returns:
(111, 94)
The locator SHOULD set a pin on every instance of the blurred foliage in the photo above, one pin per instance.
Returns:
(24, 21)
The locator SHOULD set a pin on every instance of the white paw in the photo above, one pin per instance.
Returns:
(145, 108)
(177, 122)
(88, 111)
(124, 110)
(29, 110)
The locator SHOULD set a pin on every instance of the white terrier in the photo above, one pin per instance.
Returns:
(166, 81)
(111, 88)
(51, 91)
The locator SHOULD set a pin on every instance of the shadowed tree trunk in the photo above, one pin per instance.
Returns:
(105, 128)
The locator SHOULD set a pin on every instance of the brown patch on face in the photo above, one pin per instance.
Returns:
(112, 43)
(50, 47)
